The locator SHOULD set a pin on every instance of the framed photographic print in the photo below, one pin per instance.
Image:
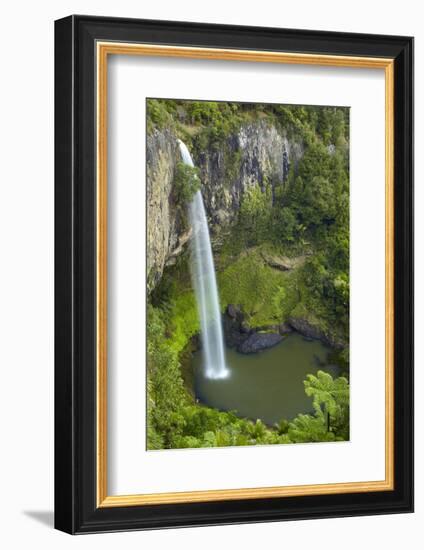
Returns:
(233, 271)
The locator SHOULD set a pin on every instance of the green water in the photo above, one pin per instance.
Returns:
(266, 385)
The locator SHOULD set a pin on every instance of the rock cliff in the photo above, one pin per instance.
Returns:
(164, 227)
(258, 154)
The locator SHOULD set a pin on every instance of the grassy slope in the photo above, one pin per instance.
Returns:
(267, 296)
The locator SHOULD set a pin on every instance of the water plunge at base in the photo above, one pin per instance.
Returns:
(204, 282)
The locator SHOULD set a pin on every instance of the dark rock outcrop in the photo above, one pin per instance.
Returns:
(284, 328)
(235, 329)
(259, 341)
(283, 263)
(311, 331)
(244, 339)
(239, 335)
(233, 311)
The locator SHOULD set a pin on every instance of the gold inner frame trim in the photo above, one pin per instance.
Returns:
(103, 50)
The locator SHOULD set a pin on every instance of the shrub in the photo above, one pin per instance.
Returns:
(186, 183)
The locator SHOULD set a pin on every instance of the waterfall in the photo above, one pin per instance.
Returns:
(204, 282)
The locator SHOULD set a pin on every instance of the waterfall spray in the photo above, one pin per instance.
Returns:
(204, 282)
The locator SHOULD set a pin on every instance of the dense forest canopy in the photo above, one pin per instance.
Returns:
(305, 220)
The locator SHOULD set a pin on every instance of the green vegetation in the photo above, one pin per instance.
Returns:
(186, 183)
(164, 383)
(331, 405)
(265, 295)
(210, 122)
(305, 219)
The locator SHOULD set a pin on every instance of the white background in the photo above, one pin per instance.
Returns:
(131, 79)
(26, 286)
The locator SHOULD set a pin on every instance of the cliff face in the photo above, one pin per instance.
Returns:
(162, 226)
(257, 155)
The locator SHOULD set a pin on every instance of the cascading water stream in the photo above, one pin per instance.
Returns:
(204, 282)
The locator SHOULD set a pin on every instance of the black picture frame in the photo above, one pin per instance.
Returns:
(76, 510)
